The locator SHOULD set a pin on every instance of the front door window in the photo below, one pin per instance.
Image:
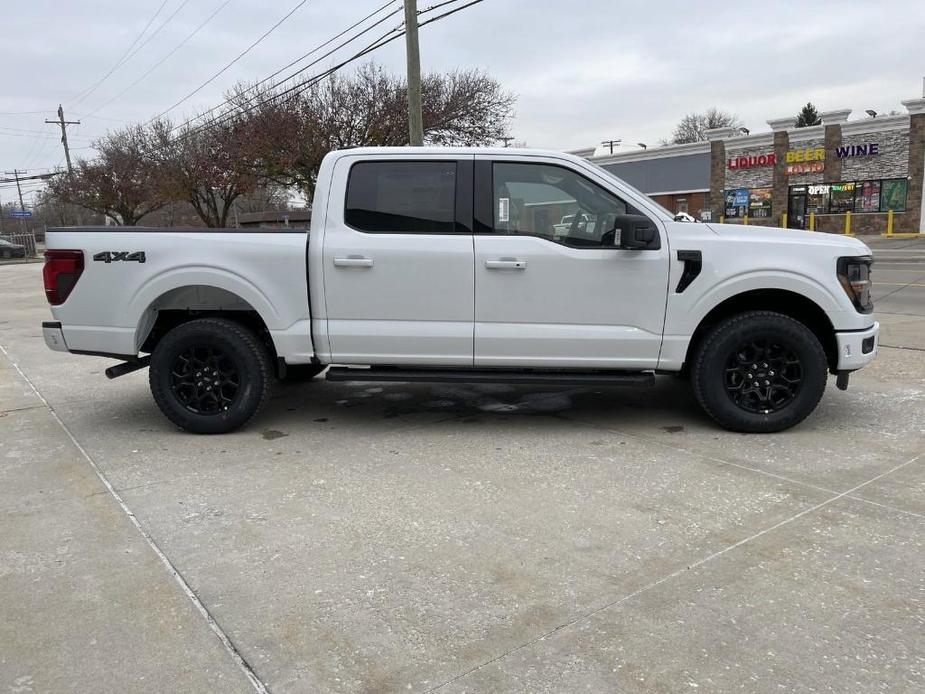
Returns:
(553, 203)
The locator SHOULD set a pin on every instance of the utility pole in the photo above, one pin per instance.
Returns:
(15, 173)
(611, 143)
(412, 51)
(64, 123)
(22, 205)
(506, 140)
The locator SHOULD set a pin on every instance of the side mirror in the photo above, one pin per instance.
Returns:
(636, 232)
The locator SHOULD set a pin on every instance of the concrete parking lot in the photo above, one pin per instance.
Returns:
(380, 538)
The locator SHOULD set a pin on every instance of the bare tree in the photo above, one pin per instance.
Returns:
(121, 183)
(369, 108)
(209, 167)
(693, 126)
(265, 196)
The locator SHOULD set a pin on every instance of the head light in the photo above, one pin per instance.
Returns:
(854, 276)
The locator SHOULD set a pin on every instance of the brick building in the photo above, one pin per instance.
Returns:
(840, 174)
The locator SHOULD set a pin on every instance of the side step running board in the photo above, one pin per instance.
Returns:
(636, 379)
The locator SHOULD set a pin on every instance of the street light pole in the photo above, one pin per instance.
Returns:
(415, 116)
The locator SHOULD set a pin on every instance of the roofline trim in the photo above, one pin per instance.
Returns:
(681, 192)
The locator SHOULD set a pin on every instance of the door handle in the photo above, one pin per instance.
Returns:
(506, 264)
(353, 261)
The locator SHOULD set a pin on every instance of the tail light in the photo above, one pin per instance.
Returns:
(61, 272)
(854, 275)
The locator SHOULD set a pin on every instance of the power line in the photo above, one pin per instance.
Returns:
(153, 34)
(90, 115)
(239, 56)
(303, 57)
(295, 89)
(37, 149)
(87, 92)
(160, 62)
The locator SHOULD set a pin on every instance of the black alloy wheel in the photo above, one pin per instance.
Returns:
(210, 375)
(206, 380)
(759, 371)
(763, 375)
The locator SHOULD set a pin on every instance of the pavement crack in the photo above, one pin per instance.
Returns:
(912, 349)
(178, 577)
(678, 572)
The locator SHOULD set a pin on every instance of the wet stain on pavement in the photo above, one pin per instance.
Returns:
(271, 434)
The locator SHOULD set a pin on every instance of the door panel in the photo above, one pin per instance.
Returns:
(568, 307)
(397, 298)
(542, 303)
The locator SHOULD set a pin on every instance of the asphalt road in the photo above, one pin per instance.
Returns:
(381, 538)
(899, 285)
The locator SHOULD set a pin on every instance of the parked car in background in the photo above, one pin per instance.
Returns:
(8, 249)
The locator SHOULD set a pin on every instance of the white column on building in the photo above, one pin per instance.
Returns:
(914, 106)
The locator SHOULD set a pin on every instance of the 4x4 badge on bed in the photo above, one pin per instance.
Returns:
(115, 256)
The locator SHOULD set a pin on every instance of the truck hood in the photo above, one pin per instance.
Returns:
(848, 244)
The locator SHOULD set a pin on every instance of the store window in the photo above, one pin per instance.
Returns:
(403, 197)
(817, 199)
(736, 202)
(759, 203)
(554, 203)
(841, 198)
(867, 196)
(893, 195)
(681, 205)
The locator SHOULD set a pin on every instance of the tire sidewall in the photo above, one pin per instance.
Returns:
(710, 372)
(250, 394)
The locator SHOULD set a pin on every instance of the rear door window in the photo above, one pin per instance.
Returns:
(402, 197)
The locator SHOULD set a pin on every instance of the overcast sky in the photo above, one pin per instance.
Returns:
(584, 70)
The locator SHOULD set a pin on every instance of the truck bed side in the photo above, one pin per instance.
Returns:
(133, 275)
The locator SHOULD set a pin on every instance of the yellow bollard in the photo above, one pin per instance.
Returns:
(745, 220)
(783, 221)
(812, 221)
(848, 224)
(722, 219)
(889, 222)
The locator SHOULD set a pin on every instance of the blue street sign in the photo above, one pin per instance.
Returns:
(20, 213)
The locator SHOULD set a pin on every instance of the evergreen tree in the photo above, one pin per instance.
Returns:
(808, 116)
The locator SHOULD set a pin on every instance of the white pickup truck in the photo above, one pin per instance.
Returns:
(444, 265)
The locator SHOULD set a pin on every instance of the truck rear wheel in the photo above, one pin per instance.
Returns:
(759, 372)
(210, 375)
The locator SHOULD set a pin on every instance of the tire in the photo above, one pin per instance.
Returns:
(210, 348)
(299, 373)
(743, 350)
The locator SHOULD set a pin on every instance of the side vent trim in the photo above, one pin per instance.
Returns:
(693, 264)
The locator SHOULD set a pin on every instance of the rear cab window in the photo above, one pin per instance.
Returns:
(402, 197)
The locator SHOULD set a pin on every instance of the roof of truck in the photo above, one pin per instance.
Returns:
(511, 151)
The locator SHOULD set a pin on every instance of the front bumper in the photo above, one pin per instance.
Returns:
(857, 348)
(54, 336)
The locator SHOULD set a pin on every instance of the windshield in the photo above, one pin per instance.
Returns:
(626, 185)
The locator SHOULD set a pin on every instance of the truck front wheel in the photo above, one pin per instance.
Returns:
(759, 372)
(210, 375)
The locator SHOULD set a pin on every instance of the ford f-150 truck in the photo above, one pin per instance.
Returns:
(445, 265)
